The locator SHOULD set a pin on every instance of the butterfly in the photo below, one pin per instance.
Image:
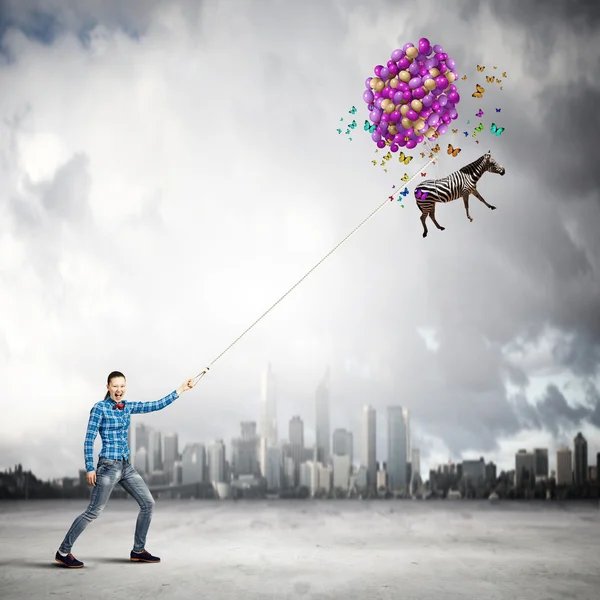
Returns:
(342, 119)
(436, 148)
(422, 154)
(393, 186)
(478, 93)
(370, 128)
(498, 80)
(479, 113)
(467, 124)
(497, 130)
(404, 192)
(431, 155)
(388, 156)
(498, 109)
(347, 132)
(490, 79)
(479, 127)
(405, 177)
(349, 139)
(391, 197)
(382, 163)
(504, 74)
(352, 125)
(464, 77)
(474, 134)
(454, 151)
(455, 131)
(352, 111)
(420, 194)
(423, 174)
(481, 69)
(466, 133)
(495, 67)
(385, 170)
(477, 141)
(374, 162)
(404, 159)
(339, 130)
(501, 88)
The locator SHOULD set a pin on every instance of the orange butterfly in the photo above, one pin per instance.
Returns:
(498, 80)
(490, 79)
(478, 92)
(481, 69)
(431, 155)
(454, 151)
(495, 67)
(455, 131)
(422, 154)
(423, 174)
(436, 148)
(504, 74)
(464, 78)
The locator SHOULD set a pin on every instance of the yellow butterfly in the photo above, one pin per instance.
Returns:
(490, 79)
(479, 91)
(404, 159)
(374, 162)
(474, 134)
(385, 170)
(436, 148)
(498, 80)
(455, 131)
(481, 69)
(454, 151)
(405, 177)
(382, 163)
(422, 154)
(388, 156)
(504, 74)
(464, 77)
(376, 150)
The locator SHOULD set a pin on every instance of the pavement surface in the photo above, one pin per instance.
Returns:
(307, 550)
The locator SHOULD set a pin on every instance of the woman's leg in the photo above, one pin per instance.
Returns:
(108, 473)
(134, 485)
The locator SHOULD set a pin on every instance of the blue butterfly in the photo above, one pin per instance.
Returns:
(498, 109)
(466, 133)
(404, 193)
(370, 128)
(497, 130)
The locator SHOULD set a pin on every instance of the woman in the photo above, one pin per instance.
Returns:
(111, 418)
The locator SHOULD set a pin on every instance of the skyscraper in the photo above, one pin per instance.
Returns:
(245, 451)
(322, 428)
(193, 464)
(524, 469)
(541, 462)
(580, 454)
(216, 462)
(343, 443)
(171, 454)
(142, 442)
(296, 447)
(564, 466)
(268, 422)
(368, 445)
(398, 447)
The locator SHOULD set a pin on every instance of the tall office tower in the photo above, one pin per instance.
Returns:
(580, 454)
(322, 427)
(398, 447)
(564, 466)
(416, 461)
(171, 455)
(268, 423)
(193, 464)
(541, 462)
(245, 451)
(154, 451)
(142, 441)
(274, 468)
(296, 446)
(368, 449)
(524, 468)
(216, 462)
(343, 443)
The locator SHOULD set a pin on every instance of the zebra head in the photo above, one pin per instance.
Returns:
(492, 165)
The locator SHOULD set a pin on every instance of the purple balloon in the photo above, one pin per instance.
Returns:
(413, 69)
(385, 118)
(395, 116)
(453, 113)
(436, 92)
(441, 82)
(375, 136)
(425, 113)
(427, 100)
(443, 100)
(402, 143)
(436, 106)
(377, 95)
(423, 71)
(375, 115)
(428, 64)
(368, 96)
(407, 96)
(443, 68)
(457, 98)
(411, 144)
(437, 48)
(407, 46)
(443, 129)
(419, 93)
(452, 87)
(368, 82)
(403, 86)
(384, 73)
(446, 119)
(433, 120)
(397, 138)
(424, 42)
(420, 138)
(397, 54)
(377, 70)
(397, 97)
(381, 144)
(378, 102)
(414, 83)
(382, 127)
(452, 96)
(393, 69)
(412, 115)
(394, 147)
(403, 63)
(451, 63)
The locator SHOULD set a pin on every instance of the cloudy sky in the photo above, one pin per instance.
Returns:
(168, 169)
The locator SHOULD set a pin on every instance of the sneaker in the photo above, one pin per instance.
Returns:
(68, 561)
(143, 556)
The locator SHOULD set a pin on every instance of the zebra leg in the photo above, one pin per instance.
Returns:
(478, 195)
(432, 217)
(424, 213)
(466, 200)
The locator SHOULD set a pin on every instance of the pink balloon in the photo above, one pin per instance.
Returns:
(393, 69)
(419, 93)
(403, 63)
(395, 116)
(377, 70)
(385, 117)
(411, 144)
(381, 144)
(394, 147)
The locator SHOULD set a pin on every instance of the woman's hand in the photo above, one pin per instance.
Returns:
(184, 387)
(91, 477)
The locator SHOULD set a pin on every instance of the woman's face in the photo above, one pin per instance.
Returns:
(116, 388)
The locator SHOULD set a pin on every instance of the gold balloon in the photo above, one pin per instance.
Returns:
(420, 125)
(404, 109)
(379, 86)
(429, 133)
(412, 52)
(394, 83)
(373, 81)
(416, 105)
(398, 107)
(434, 72)
(384, 103)
(406, 123)
(450, 76)
(390, 108)
(392, 129)
(429, 84)
(404, 76)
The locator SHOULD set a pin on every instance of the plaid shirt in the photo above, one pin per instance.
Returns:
(113, 425)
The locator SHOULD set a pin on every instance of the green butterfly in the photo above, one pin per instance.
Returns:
(370, 128)
(479, 127)
(352, 111)
(495, 129)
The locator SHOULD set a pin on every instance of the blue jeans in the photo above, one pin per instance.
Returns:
(108, 474)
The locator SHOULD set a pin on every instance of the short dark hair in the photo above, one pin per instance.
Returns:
(112, 376)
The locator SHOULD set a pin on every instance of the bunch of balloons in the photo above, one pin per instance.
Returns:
(413, 97)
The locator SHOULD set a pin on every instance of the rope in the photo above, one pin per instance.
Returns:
(200, 375)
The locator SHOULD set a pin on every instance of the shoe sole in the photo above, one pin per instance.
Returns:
(60, 562)
(143, 560)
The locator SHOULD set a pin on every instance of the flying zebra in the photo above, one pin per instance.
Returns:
(460, 183)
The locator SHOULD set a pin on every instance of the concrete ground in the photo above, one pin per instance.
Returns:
(307, 550)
